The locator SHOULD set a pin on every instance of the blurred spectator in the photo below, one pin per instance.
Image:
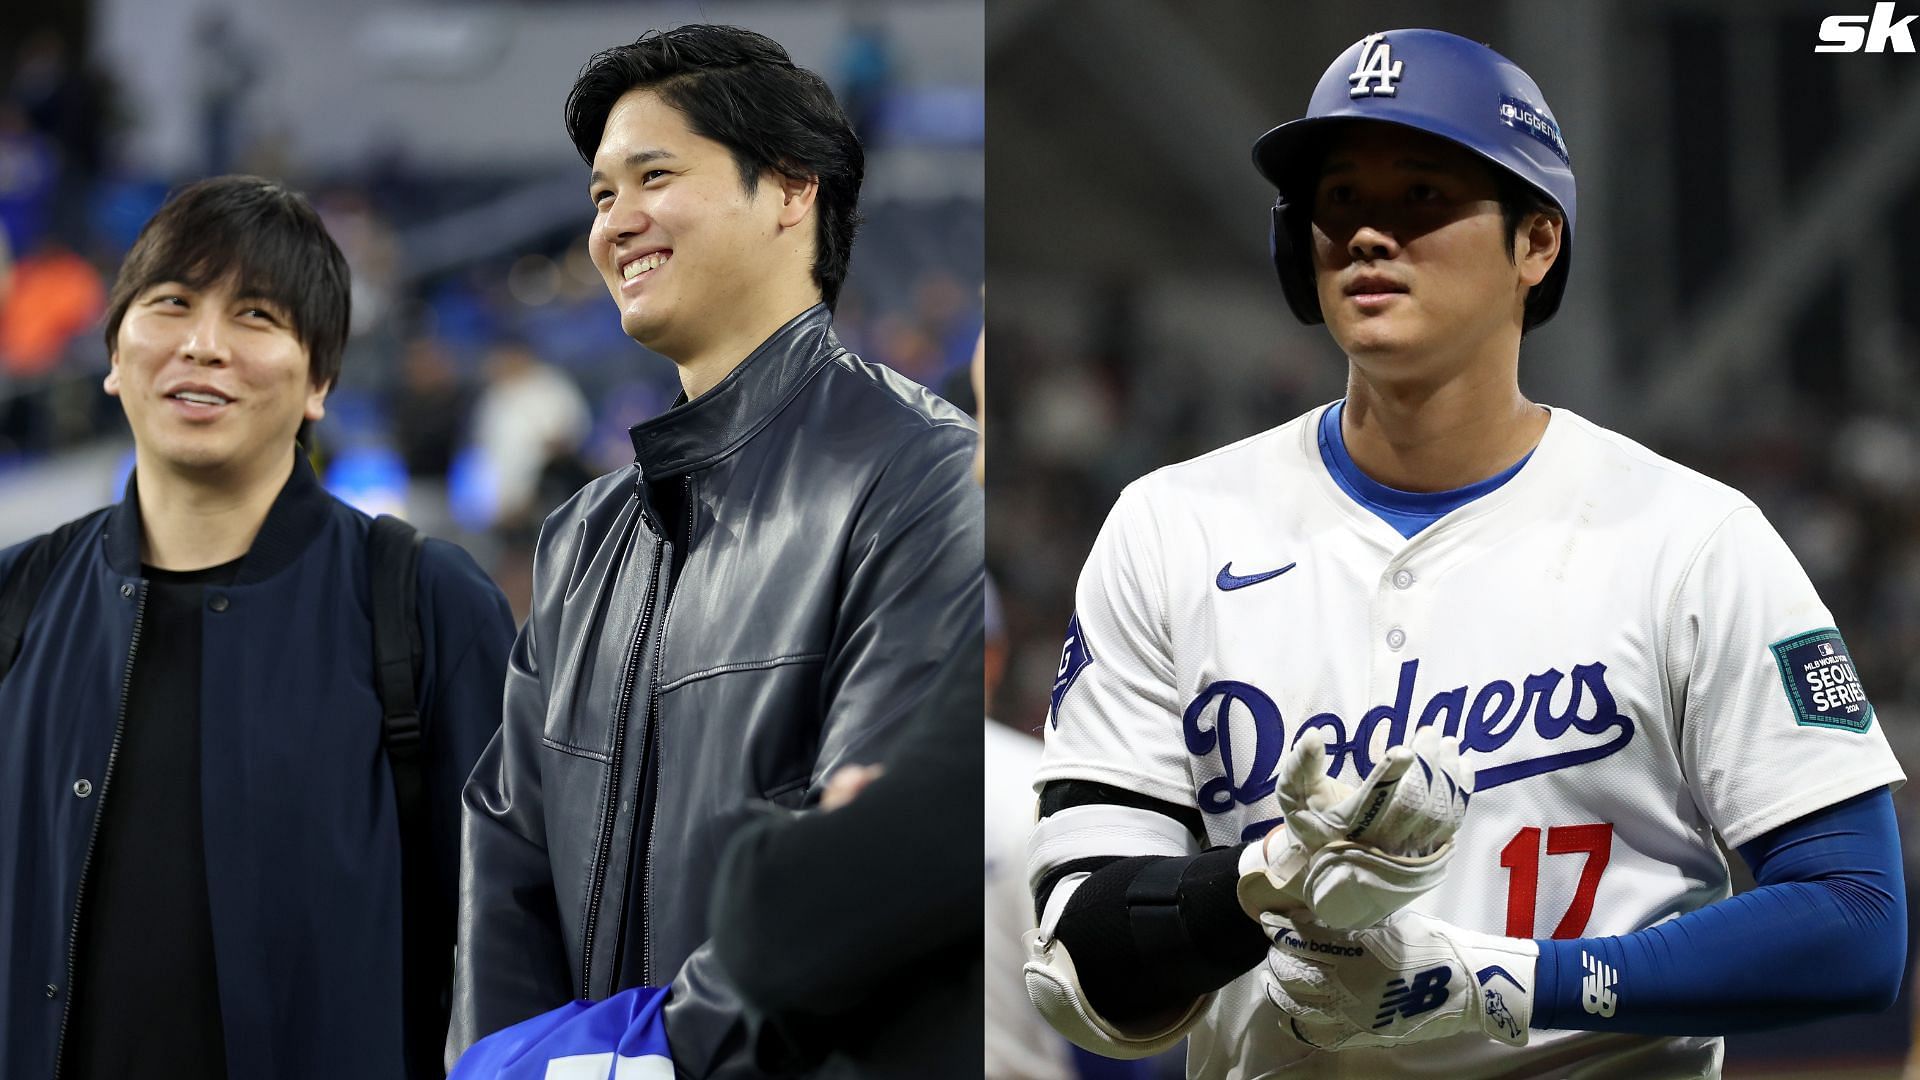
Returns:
(428, 415)
(226, 68)
(529, 415)
(866, 74)
(372, 252)
(942, 306)
(29, 176)
(41, 82)
(431, 407)
(1019, 1043)
(52, 296)
(65, 103)
(908, 347)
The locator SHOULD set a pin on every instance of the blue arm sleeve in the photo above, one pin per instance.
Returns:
(1825, 933)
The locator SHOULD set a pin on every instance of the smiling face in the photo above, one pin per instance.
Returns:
(687, 251)
(1411, 253)
(211, 381)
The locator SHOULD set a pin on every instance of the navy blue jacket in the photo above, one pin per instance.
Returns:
(297, 803)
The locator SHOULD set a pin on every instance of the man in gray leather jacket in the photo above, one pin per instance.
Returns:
(759, 599)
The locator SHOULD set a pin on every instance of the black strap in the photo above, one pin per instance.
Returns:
(27, 580)
(1153, 912)
(393, 557)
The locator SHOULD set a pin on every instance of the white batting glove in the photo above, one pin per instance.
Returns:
(1410, 979)
(1349, 857)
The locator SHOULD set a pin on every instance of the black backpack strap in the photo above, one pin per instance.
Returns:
(393, 558)
(25, 583)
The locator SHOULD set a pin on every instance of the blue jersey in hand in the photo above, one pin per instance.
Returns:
(621, 1038)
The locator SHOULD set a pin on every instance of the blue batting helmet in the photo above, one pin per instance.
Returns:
(1431, 81)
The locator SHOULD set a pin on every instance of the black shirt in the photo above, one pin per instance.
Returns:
(146, 1003)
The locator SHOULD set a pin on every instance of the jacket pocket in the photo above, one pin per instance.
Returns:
(789, 794)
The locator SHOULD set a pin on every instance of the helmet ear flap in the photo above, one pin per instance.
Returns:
(1293, 260)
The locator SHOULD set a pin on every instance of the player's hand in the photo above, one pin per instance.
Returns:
(1410, 979)
(846, 782)
(1348, 857)
(1410, 804)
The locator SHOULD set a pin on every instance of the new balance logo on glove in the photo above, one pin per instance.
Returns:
(1427, 991)
(1596, 990)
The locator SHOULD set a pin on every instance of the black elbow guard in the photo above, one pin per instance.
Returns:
(1150, 934)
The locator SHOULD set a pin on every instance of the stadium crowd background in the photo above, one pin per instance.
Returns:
(487, 377)
(1739, 298)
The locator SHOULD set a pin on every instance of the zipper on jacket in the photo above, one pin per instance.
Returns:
(599, 881)
(650, 779)
(93, 834)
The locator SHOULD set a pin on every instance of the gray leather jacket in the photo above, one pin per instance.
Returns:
(661, 691)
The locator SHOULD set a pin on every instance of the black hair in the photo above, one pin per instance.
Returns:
(741, 90)
(1519, 200)
(263, 237)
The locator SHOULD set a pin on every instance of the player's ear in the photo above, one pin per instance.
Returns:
(1536, 246)
(796, 198)
(317, 398)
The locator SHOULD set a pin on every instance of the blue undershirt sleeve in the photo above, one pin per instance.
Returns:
(1822, 935)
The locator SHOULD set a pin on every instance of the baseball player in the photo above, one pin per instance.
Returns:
(1294, 658)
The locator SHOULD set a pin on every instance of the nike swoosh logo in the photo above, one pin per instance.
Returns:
(1229, 582)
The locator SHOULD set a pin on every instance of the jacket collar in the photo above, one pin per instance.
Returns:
(292, 523)
(694, 433)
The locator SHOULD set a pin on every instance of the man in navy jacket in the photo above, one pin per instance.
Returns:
(200, 860)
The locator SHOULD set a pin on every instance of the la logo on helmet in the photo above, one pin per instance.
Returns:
(1377, 70)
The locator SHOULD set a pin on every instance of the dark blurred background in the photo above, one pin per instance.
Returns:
(1740, 298)
(487, 377)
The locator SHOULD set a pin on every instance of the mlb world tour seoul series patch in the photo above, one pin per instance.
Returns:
(1821, 682)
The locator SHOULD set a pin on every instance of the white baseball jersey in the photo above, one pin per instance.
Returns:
(1630, 655)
